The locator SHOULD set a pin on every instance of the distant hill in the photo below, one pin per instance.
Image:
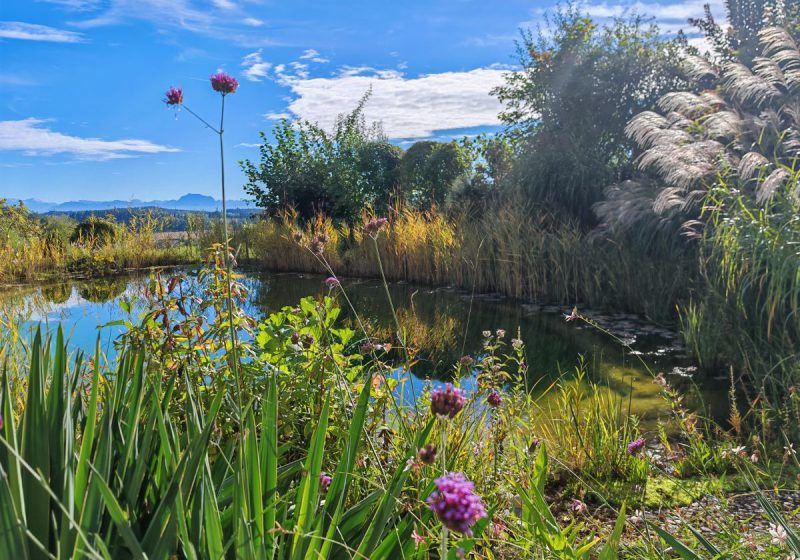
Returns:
(190, 202)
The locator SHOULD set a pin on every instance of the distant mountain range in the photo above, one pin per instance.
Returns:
(192, 202)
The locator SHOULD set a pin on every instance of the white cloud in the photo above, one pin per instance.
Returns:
(224, 4)
(407, 107)
(176, 13)
(313, 56)
(75, 4)
(680, 11)
(35, 32)
(255, 69)
(300, 69)
(31, 137)
(252, 22)
(272, 116)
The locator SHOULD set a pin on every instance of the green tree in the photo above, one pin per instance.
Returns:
(314, 171)
(579, 85)
(429, 170)
(379, 174)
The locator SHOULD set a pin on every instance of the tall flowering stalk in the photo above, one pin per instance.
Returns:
(224, 84)
(446, 402)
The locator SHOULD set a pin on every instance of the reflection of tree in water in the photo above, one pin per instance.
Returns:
(57, 293)
(435, 322)
(101, 290)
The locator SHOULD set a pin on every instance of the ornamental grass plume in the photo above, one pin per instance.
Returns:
(455, 503)
(447, 401)
(224, 83)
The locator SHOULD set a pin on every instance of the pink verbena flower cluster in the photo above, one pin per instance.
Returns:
(174, 96)
(494, 398)
(224, 83)
(635, 446)
(373, 226)
(324, 480)
(455, 503)
(447, 401)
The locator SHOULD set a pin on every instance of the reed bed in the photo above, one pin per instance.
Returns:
(509, 250)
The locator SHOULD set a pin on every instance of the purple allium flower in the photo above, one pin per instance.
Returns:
(455, 503)
(427, 454)
(635, 446)
(447, 401)
(331, 282)
(174, 96)
(466, 361)
(494, 398)
(324, 480)
(224, 83)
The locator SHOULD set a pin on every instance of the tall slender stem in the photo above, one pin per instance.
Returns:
(241, 473)
(443, 451)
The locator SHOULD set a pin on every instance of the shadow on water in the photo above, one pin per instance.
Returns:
(443, 324)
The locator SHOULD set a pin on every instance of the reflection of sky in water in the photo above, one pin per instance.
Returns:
(441, 322)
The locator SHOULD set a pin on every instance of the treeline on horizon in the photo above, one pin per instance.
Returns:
(168, 219)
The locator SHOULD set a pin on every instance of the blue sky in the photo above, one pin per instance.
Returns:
(81, 81)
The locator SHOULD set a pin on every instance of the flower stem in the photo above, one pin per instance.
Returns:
(443, 546)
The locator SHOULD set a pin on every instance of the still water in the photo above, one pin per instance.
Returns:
(444, 323)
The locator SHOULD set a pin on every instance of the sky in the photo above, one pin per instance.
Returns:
(82, 81)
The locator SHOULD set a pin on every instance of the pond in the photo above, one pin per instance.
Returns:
(443, 323)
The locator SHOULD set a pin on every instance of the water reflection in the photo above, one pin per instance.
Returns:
(442, 324)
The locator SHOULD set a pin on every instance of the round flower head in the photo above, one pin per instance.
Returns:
(455, 503)
(373, 226)
(174, 96)
(447, 401)
(635, 446)
(224, 83)
(494, 399)
(427, 454)
(331, 282)
(324, 480)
